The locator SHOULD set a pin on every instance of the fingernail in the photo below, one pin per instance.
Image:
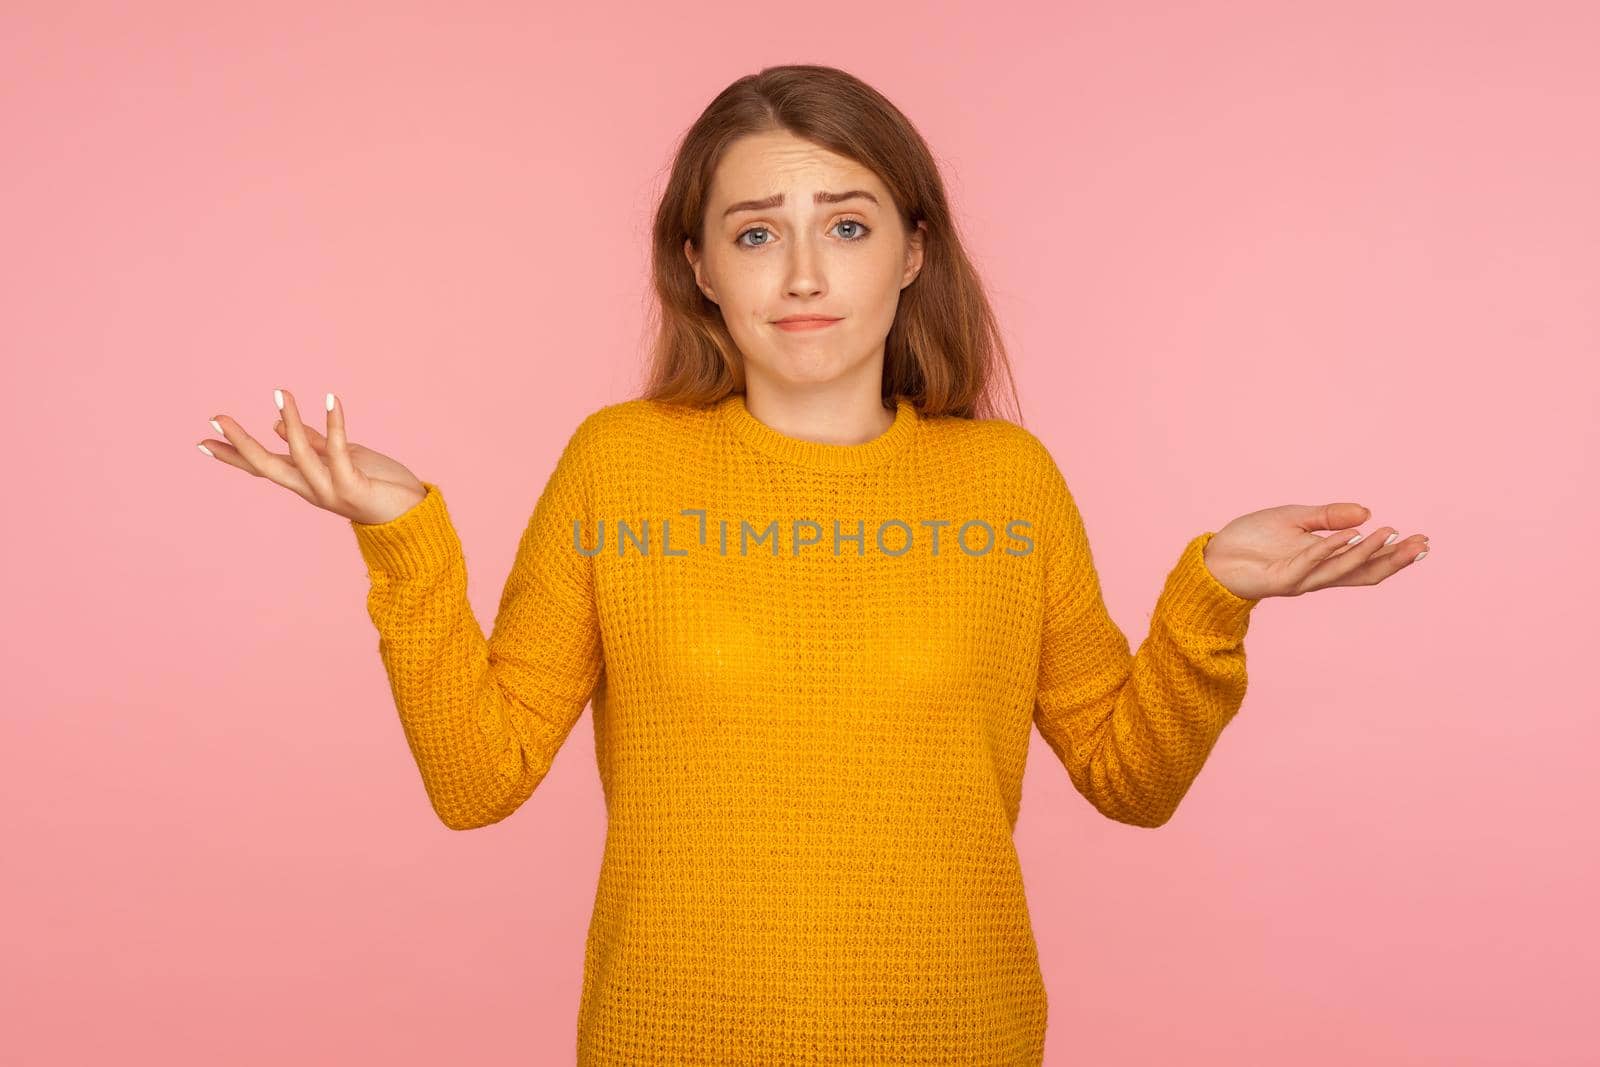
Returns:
(206, 450)
(1354, 539)
(1420, 555)
(215, 425)
(277, 398)
(330, 401)
(1392, 539)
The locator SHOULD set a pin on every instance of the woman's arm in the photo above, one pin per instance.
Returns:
(484, 718)
(1133, 730)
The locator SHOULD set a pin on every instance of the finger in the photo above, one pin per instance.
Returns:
(338, 447)
(306, 459)
(1341, 541)
(1391, 545)
(1319, 563)
(316, 440)
(1386, 562)
(1336, 516)
(243, 451)
(1305, 562)
(1335, 570)
(1396, 545)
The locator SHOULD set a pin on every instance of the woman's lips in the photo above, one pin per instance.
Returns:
(795, 325)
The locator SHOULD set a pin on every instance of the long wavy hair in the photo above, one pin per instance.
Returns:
(943, 352)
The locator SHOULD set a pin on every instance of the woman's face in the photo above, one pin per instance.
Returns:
(772, 250)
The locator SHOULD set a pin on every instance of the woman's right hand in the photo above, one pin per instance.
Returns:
(335, 475)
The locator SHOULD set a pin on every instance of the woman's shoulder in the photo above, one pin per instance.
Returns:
(995, 440)
(636, 423)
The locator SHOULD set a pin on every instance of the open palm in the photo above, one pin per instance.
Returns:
(1274, 552)
(329, 471)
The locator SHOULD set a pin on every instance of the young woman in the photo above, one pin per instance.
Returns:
(818, 595)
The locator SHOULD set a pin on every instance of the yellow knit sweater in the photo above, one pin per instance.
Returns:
(814, 671)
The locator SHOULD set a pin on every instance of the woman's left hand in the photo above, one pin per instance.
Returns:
(1274, 553)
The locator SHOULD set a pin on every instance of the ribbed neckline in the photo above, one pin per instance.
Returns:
(816, 454)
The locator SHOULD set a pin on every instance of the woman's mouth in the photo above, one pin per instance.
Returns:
(796, 325)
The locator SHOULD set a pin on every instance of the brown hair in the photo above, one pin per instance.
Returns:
(944, 349)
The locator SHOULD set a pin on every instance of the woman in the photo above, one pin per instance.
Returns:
(837, 595)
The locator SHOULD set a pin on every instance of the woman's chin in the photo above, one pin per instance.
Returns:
(804, 373)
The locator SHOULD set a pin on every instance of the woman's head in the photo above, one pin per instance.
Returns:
(888, 263)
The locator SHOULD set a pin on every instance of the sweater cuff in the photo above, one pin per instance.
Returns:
(1196, 600)
(418, 542)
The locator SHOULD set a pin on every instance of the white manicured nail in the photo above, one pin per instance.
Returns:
(1392, 539)
(206, 450)
(330, 401)
(277, 398)
(1424, 552)
(1354, 539)
(215, 425)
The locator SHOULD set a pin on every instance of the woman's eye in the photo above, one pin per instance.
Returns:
(861, 229)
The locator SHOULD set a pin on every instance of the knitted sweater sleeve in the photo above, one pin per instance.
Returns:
(484, 718)
(1133, 730)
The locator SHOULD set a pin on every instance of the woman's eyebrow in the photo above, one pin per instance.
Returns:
(777, 199)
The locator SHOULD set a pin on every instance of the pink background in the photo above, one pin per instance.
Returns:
(1245, 254)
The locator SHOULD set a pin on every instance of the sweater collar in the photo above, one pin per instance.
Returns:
(815, 454)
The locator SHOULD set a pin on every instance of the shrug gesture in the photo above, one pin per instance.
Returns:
(347, 479)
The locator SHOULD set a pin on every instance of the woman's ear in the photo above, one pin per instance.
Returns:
(694, 259)
(914, 248)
